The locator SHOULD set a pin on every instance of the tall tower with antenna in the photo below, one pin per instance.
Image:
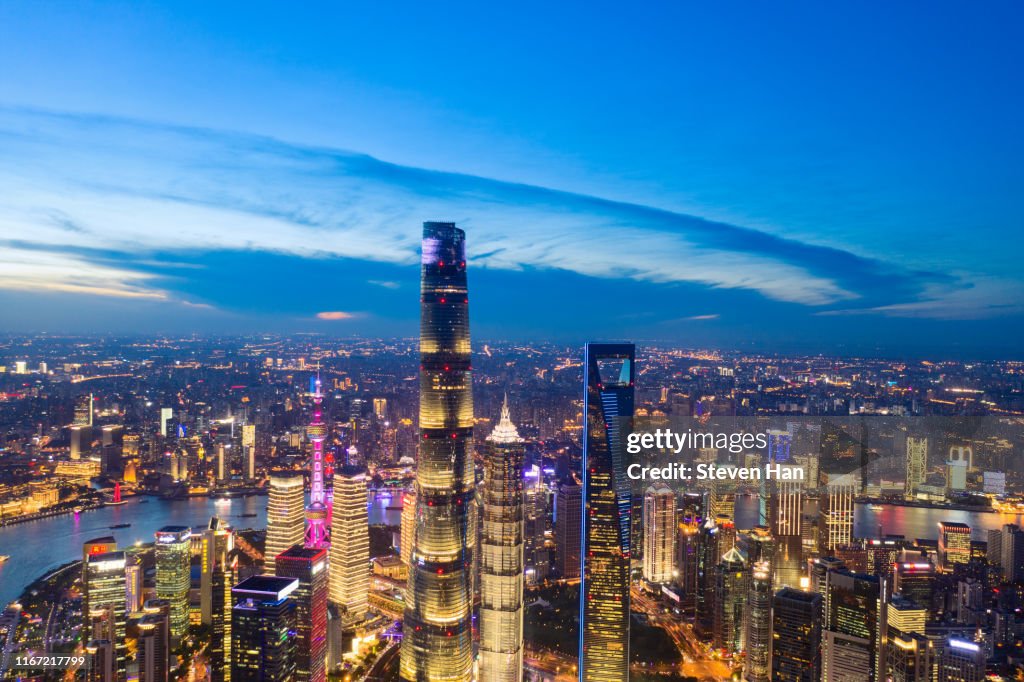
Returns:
(316, 512)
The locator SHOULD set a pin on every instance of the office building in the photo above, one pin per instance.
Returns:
(917, 465)
(961, 661)
(309, 566)
(349, 584)
(101, 662)
(659, 534)
(285, 513)
(407, 533)
(438, 633)
(217, 575)
(915, 580)
(568, 529)
(263, 630)
(609, 371)
(501, 555)
(757, 667)
(537, 554)
(105, 606)
(173, 578)
(154, 645)
(796, 636)
(730, 602)
(836, 509)
(852, 627)
(954, 544)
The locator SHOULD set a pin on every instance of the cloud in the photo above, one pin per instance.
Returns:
(106, 195)
(335, 315)
(704, 317)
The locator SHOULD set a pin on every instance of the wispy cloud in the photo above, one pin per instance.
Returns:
(335, 315)
(96, 197)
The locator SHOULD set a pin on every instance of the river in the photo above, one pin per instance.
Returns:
(38, 546)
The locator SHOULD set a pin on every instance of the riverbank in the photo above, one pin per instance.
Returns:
(49, 513)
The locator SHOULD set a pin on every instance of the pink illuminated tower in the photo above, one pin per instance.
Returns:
(316, 512)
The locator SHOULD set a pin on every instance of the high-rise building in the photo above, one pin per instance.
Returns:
(836, 508)
(786, 506)
(659, 534)
(223, 463)
(568, 529)
(501, 555)
(101, 663)
(759, 624)
(730, 601)
(917, 465)
(173, 576)
(1008, 552)
(722, 494)
(796, 636)
(105, 615)
(166, 415)
(437, 641)
(309, 566)
(285, 513)
(350, 546)
(537, 555)
(909, 658)
(217, 575)
(608, 376)
(707, 559)
(915, 580)
(84, 410)
(317, 512)
(954, 544)
(263, 633)
(852, 635)
(154, 643)
(961, 661)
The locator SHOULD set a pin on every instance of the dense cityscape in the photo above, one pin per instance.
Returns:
(306, 507)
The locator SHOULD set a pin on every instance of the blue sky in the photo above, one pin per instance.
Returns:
(794, 177)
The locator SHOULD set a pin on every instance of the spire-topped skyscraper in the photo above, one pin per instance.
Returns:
(316, 512)
(501, 555)
(437, 641)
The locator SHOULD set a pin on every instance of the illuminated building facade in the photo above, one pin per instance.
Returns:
(961, 661)
(730, 601)
(837, 511)
(350, 547)
(853, 626)
(407, 534)
(917, 465)
(437, 641)
(263, 633)
(796, 636)
(502, 554)
(568, 525)
(285, 513)
(659, 534)
(105, 612)
(954, 544)
(173, 579)
(309, 566)
(759, 624)
(604, 576)
(316, 512)
(154, 644)
(217, 575)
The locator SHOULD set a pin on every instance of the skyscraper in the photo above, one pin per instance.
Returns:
(853, 625)
(173, 579)
(154, 644)
(730, 601)
(316, 512)
(961, 661)
(285, 513)
(263, 635)
(437, 638)
(917, 465)
(407, 534)
(837, 511)
(105, 614)
(659, 534)
(501, 555)
(217, 575)
(759, 624)
(796, 636)
(608, 375)
(309, 566)
(350, 546)
(954, 544)
(568, 526)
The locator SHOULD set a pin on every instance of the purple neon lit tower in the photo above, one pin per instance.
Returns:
(316, 512)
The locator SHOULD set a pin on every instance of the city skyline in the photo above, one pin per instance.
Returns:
(786, 213)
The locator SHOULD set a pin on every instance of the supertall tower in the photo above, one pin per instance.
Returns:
(501, 555)
(316, 512)
(608, 373)
(437, 639)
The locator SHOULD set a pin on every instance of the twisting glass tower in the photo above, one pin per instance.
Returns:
(437, 642)
(501, 555)
(316, 512)
(608, 372)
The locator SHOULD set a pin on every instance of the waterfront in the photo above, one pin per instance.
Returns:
(36, 547)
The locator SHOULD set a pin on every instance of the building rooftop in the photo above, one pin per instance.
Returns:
(265, 587)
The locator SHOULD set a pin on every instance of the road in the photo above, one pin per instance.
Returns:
(9, 619)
